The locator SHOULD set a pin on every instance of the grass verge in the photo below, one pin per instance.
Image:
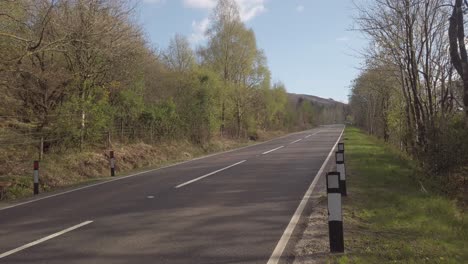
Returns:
(388, 218)
(74, 168)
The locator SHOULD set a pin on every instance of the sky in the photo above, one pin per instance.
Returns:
(309, 43)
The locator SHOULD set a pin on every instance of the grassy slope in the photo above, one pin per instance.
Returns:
(387, 218)
(58, 171)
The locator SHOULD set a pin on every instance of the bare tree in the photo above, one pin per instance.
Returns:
(179, 56)
(411, 34)
(458, 52)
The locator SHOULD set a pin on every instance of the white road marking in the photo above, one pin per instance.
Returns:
(296, 141)
(266, 152)
(276, 255)
(139, 173)
(13, 251)
(150, 197)
(313, 134)
(209, 174)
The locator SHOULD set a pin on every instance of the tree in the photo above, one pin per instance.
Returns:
(179, 57)
(62, 50)
(101, 43)
(370, 99)
(271, 107)
(79, 71)
(458, 53)
(410, 49)
(409, 35)
(30, 74)
(232, 52)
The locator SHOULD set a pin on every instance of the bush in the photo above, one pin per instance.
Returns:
(446, 151)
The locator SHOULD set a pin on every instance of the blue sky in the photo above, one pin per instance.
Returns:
(308, 43)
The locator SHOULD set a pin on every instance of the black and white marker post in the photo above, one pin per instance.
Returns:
(36, 177)
(335, 218)
(340, 167)
(340, 147)
(112, 163)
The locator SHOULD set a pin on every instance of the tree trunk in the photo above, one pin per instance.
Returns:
(238, 117)
(41, 148)
(82, 130)
(465, 89)
(223, 118)
(458, 53)
(121, 130)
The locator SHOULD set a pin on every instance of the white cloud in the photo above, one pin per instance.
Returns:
(248, 8)
(251, 8)
(300, 8)
(155, 1)
(199, 28)
(202, 4)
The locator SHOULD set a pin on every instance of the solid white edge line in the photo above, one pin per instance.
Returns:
(269, 151)
(276, 255)
(296, 141)
(209, 174)
(143, 172)
(13, 251)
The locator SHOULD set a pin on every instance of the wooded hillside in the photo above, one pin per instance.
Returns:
(78, 73)
(79, 78)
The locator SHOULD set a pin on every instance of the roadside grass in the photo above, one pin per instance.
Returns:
(387, 216)
(72, 169)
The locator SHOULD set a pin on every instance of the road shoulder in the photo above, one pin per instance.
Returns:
(312, 244)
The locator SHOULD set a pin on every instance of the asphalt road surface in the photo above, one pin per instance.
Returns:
(234, 207)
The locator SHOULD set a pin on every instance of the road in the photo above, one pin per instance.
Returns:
(234, 207)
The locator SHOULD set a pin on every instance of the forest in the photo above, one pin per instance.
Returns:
(80, 76)
(413, 89)
(73, 72)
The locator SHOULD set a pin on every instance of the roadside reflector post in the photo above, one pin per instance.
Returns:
(335, 217)
(36, 177)
(340, 167)
(112, 163)
(340, 147)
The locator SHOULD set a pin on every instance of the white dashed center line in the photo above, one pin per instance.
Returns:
(13, 251)
(266, 152)
(209, 174)
(296, 141)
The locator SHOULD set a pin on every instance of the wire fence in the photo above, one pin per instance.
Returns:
(23, 140)
(41, 138)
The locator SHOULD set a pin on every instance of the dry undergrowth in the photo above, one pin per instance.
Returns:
(72, 167)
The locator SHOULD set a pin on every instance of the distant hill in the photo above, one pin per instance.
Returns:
(320, 111)
(294, 98)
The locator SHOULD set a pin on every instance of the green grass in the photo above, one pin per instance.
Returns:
(388, 218)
